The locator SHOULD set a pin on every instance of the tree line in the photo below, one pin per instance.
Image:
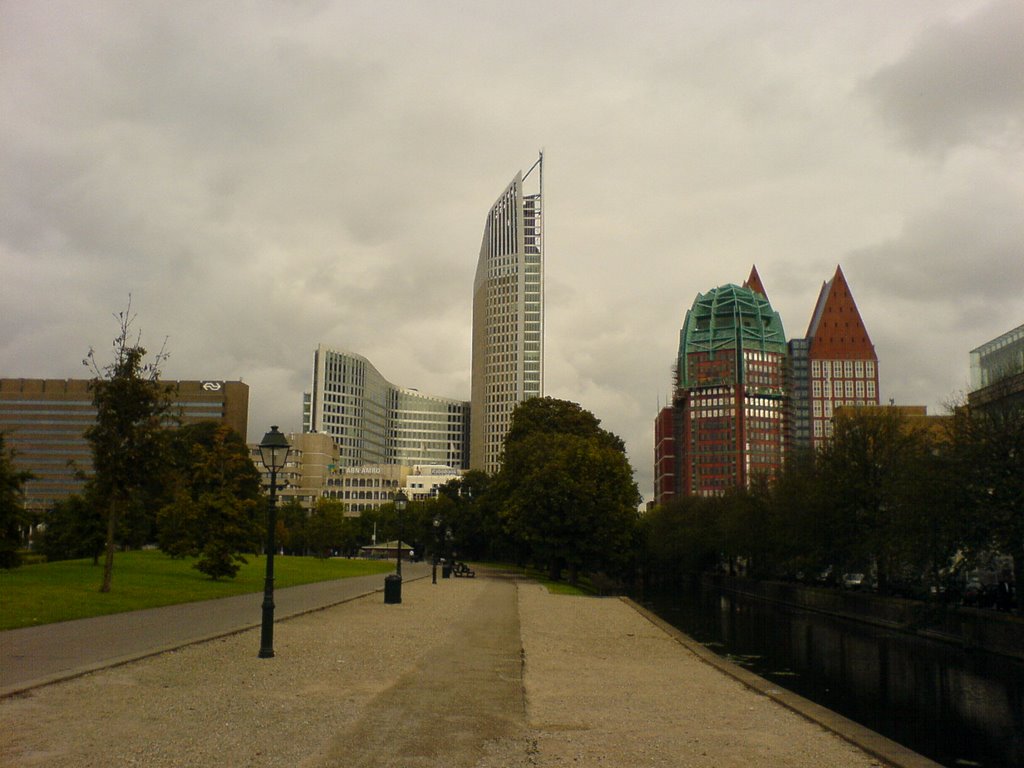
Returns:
(913, 504)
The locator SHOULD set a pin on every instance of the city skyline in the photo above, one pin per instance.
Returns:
(267, 179)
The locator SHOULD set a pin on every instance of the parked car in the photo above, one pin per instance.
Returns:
(853, 580)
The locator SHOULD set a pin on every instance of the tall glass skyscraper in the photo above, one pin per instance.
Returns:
(374, 422)
(508, 316)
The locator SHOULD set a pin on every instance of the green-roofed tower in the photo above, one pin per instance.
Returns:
(730, 395)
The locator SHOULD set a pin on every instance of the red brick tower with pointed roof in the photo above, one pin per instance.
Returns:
(754, 282)
(843, 365)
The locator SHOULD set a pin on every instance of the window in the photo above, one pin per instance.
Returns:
(816, 388)
(816, 368)
(848, 368)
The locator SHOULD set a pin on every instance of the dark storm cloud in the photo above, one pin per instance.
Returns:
(962, 82)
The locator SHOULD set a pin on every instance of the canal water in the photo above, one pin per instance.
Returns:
(957, 707)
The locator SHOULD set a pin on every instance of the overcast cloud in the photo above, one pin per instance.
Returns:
(263, 177)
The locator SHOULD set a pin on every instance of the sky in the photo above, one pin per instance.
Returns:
(262, 177)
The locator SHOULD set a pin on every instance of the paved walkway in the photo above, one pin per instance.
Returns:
(491, 672)
(38, 655)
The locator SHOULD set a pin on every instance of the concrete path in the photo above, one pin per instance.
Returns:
(491, 672)
(466, 692)
(34, 656)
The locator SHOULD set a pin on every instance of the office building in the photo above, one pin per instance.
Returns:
(44, 421)
(365, 487)
(730, 400)
(665, 465)
(372, 421)
(745, 399)
(997, 371)
(840, 366)
(508, 316)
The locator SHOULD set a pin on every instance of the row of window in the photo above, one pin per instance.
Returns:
(859, 388)
(846, 368)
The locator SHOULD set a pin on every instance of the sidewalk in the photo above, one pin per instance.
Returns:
(482, 673)
(38, 655)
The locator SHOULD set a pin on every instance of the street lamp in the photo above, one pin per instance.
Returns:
(437, 548)
(393, 581)
(446, 569)
(400, 501)
(273, 453)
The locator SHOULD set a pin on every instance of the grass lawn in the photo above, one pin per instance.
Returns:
(49, 592)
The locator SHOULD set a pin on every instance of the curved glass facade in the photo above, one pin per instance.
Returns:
(374, 422)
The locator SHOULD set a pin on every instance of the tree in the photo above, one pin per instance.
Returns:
(329, 529)
(468, 507)
(880, 470)
(567, 488)
(680, 538)
(127, 437)
(13, 520)
(989, 446)
(807, 532)
(214, 508)
(73, 528)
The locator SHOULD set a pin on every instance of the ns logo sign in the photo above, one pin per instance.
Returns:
(212, 386)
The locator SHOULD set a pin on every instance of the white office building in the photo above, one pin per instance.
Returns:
(508, 316)
(373, 421)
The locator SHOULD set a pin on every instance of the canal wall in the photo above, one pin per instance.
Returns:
(968, 628)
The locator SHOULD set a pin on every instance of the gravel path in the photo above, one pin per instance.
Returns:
(481, 673)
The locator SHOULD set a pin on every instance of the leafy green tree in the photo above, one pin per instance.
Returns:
(472, 512)
(680, 538)
(73, 528)
(127, 442)
(989, 457)
(13, 520)
(567, 488)
(869, 464)
(214, 509)
(806, 531)
(293, 527)
(330, 531)
(227, 530)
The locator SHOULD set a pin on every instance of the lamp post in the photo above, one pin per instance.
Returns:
(446, 569)
(393, 581)
(437, 548)
(400, 501)
(273, 453)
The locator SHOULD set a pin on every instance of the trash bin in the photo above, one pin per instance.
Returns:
(446, 571)
(393, 588)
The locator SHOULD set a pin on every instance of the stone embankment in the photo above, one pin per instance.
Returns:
(972, 628)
